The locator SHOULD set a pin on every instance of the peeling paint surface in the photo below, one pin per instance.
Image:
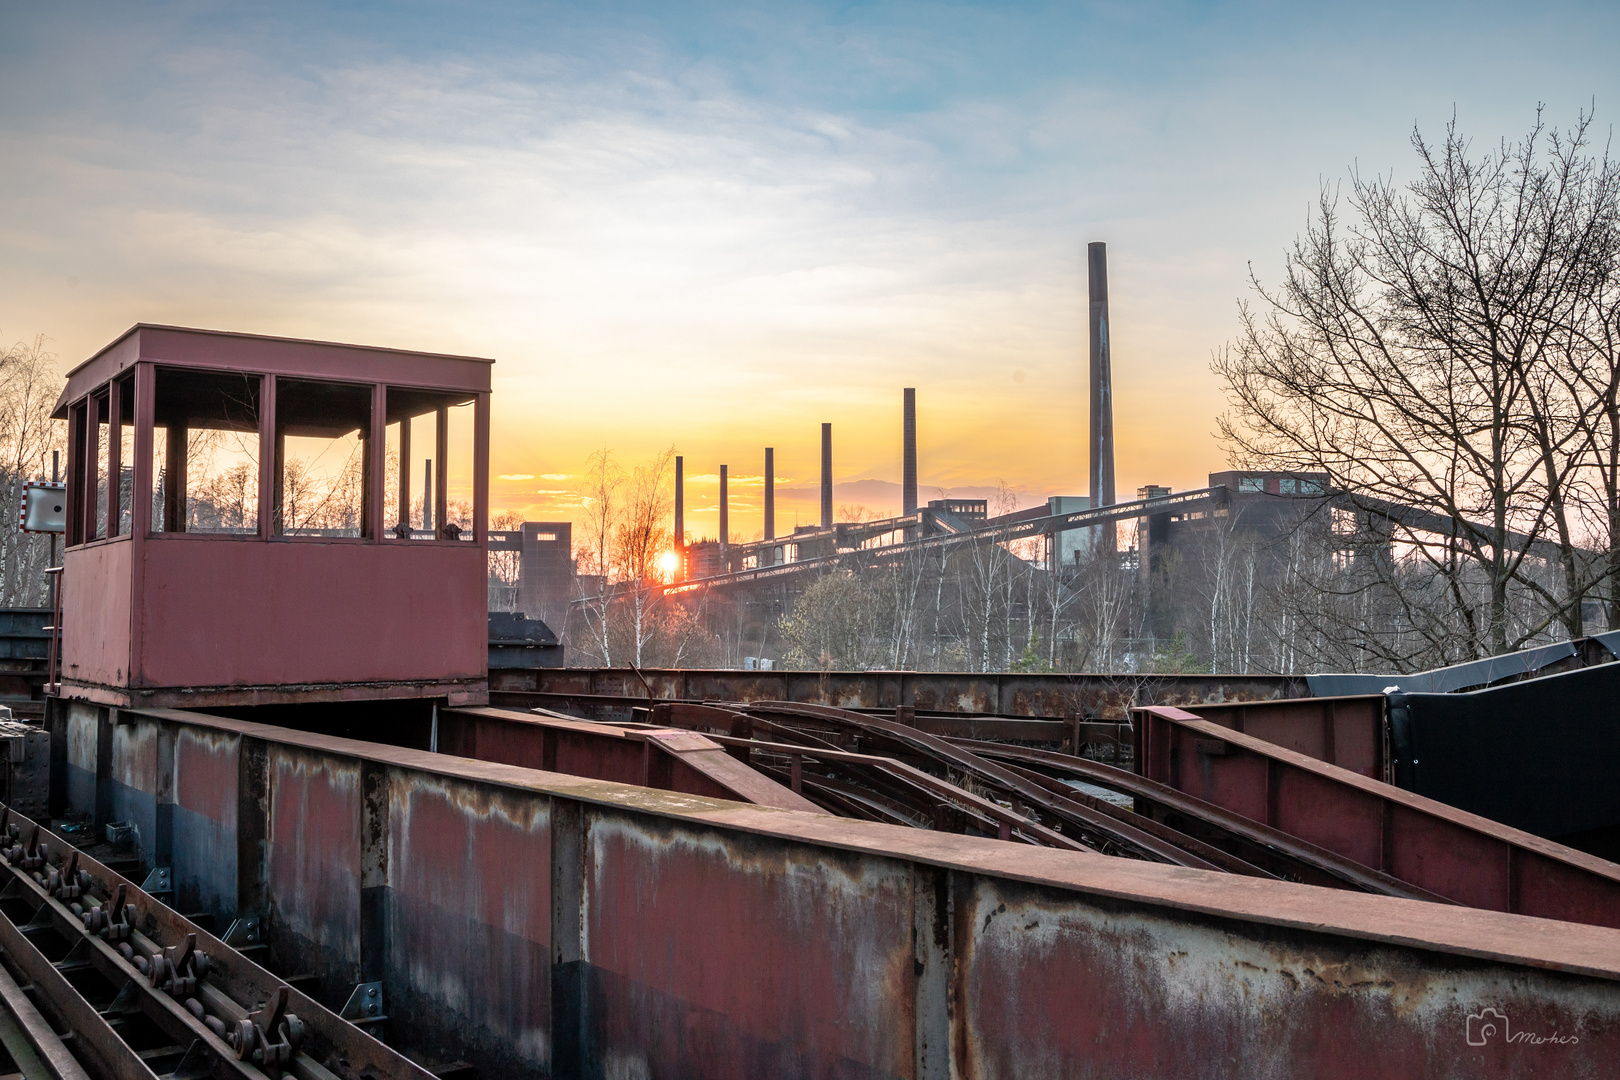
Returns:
(83, 727)
(1056, 987)
(134, 781)
(205, 777)
(469, 920)
(313, 862)
(528, 922)
(745, 958)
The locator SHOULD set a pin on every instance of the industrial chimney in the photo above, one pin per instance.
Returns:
(680, 503)
(826, 476)
(1102, 384)
(725, 506)
(770, 493)
(680, 519)
(908, 455)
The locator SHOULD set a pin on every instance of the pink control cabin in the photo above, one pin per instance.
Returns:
(256, 520)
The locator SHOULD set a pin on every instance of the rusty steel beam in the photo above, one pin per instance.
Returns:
(617, 708)
(1170, 826)
(223, 1014)
(670, 760)
(1009, 822)
(1055, 697)
(30, 1041)
(1351, 732)
(1461, 856)
(1284, 855)
(530, 923)
(1070, 815)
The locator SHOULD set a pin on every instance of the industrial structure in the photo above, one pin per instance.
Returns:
(144, 567)
(267, 825)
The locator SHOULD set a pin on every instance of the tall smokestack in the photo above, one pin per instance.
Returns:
(826, 476)
(1102, 383)
(680, 503)
(908, 455)
(725, 506)
(770, 493)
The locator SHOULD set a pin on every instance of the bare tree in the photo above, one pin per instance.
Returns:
(642, 536)
(603, 480)
(29, 386)
(1413, 354)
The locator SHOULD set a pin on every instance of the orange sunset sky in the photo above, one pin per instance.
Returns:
(715, 227)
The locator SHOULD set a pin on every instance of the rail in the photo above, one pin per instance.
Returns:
(148, 993)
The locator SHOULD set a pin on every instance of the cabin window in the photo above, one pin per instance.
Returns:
(429, 465)
(205, 451)
(323, 437)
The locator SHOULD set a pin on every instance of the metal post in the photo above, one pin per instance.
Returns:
(115, 454)
(272, 451)
(92, 464)
(441, 495)
(174, 474)
(481, 469)
(908, 462)
(404, 519)
(826, 476)
(376, 465)
(56, 478)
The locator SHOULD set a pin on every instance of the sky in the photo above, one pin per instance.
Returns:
(716, 226)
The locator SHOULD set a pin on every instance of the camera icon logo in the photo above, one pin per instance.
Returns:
(1485, 1025)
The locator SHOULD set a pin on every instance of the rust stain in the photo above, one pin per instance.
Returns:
(205, 768)
(747, 958)
(469, 877)
(313, 848)
(1052, 987)
(134, 756)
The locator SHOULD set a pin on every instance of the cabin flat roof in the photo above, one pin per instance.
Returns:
(228, 350)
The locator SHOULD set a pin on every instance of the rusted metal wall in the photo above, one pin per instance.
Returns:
(131, 782)
(1449, 852)
(538, 924)
(206, 767)
(78, 729)
(468, 868)
(305, 613)
(663, 758)
(96, 593)
(312, 864)
(1350, 732)
(1056, 695)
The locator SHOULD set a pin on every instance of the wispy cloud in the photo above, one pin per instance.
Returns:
(719, 227)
